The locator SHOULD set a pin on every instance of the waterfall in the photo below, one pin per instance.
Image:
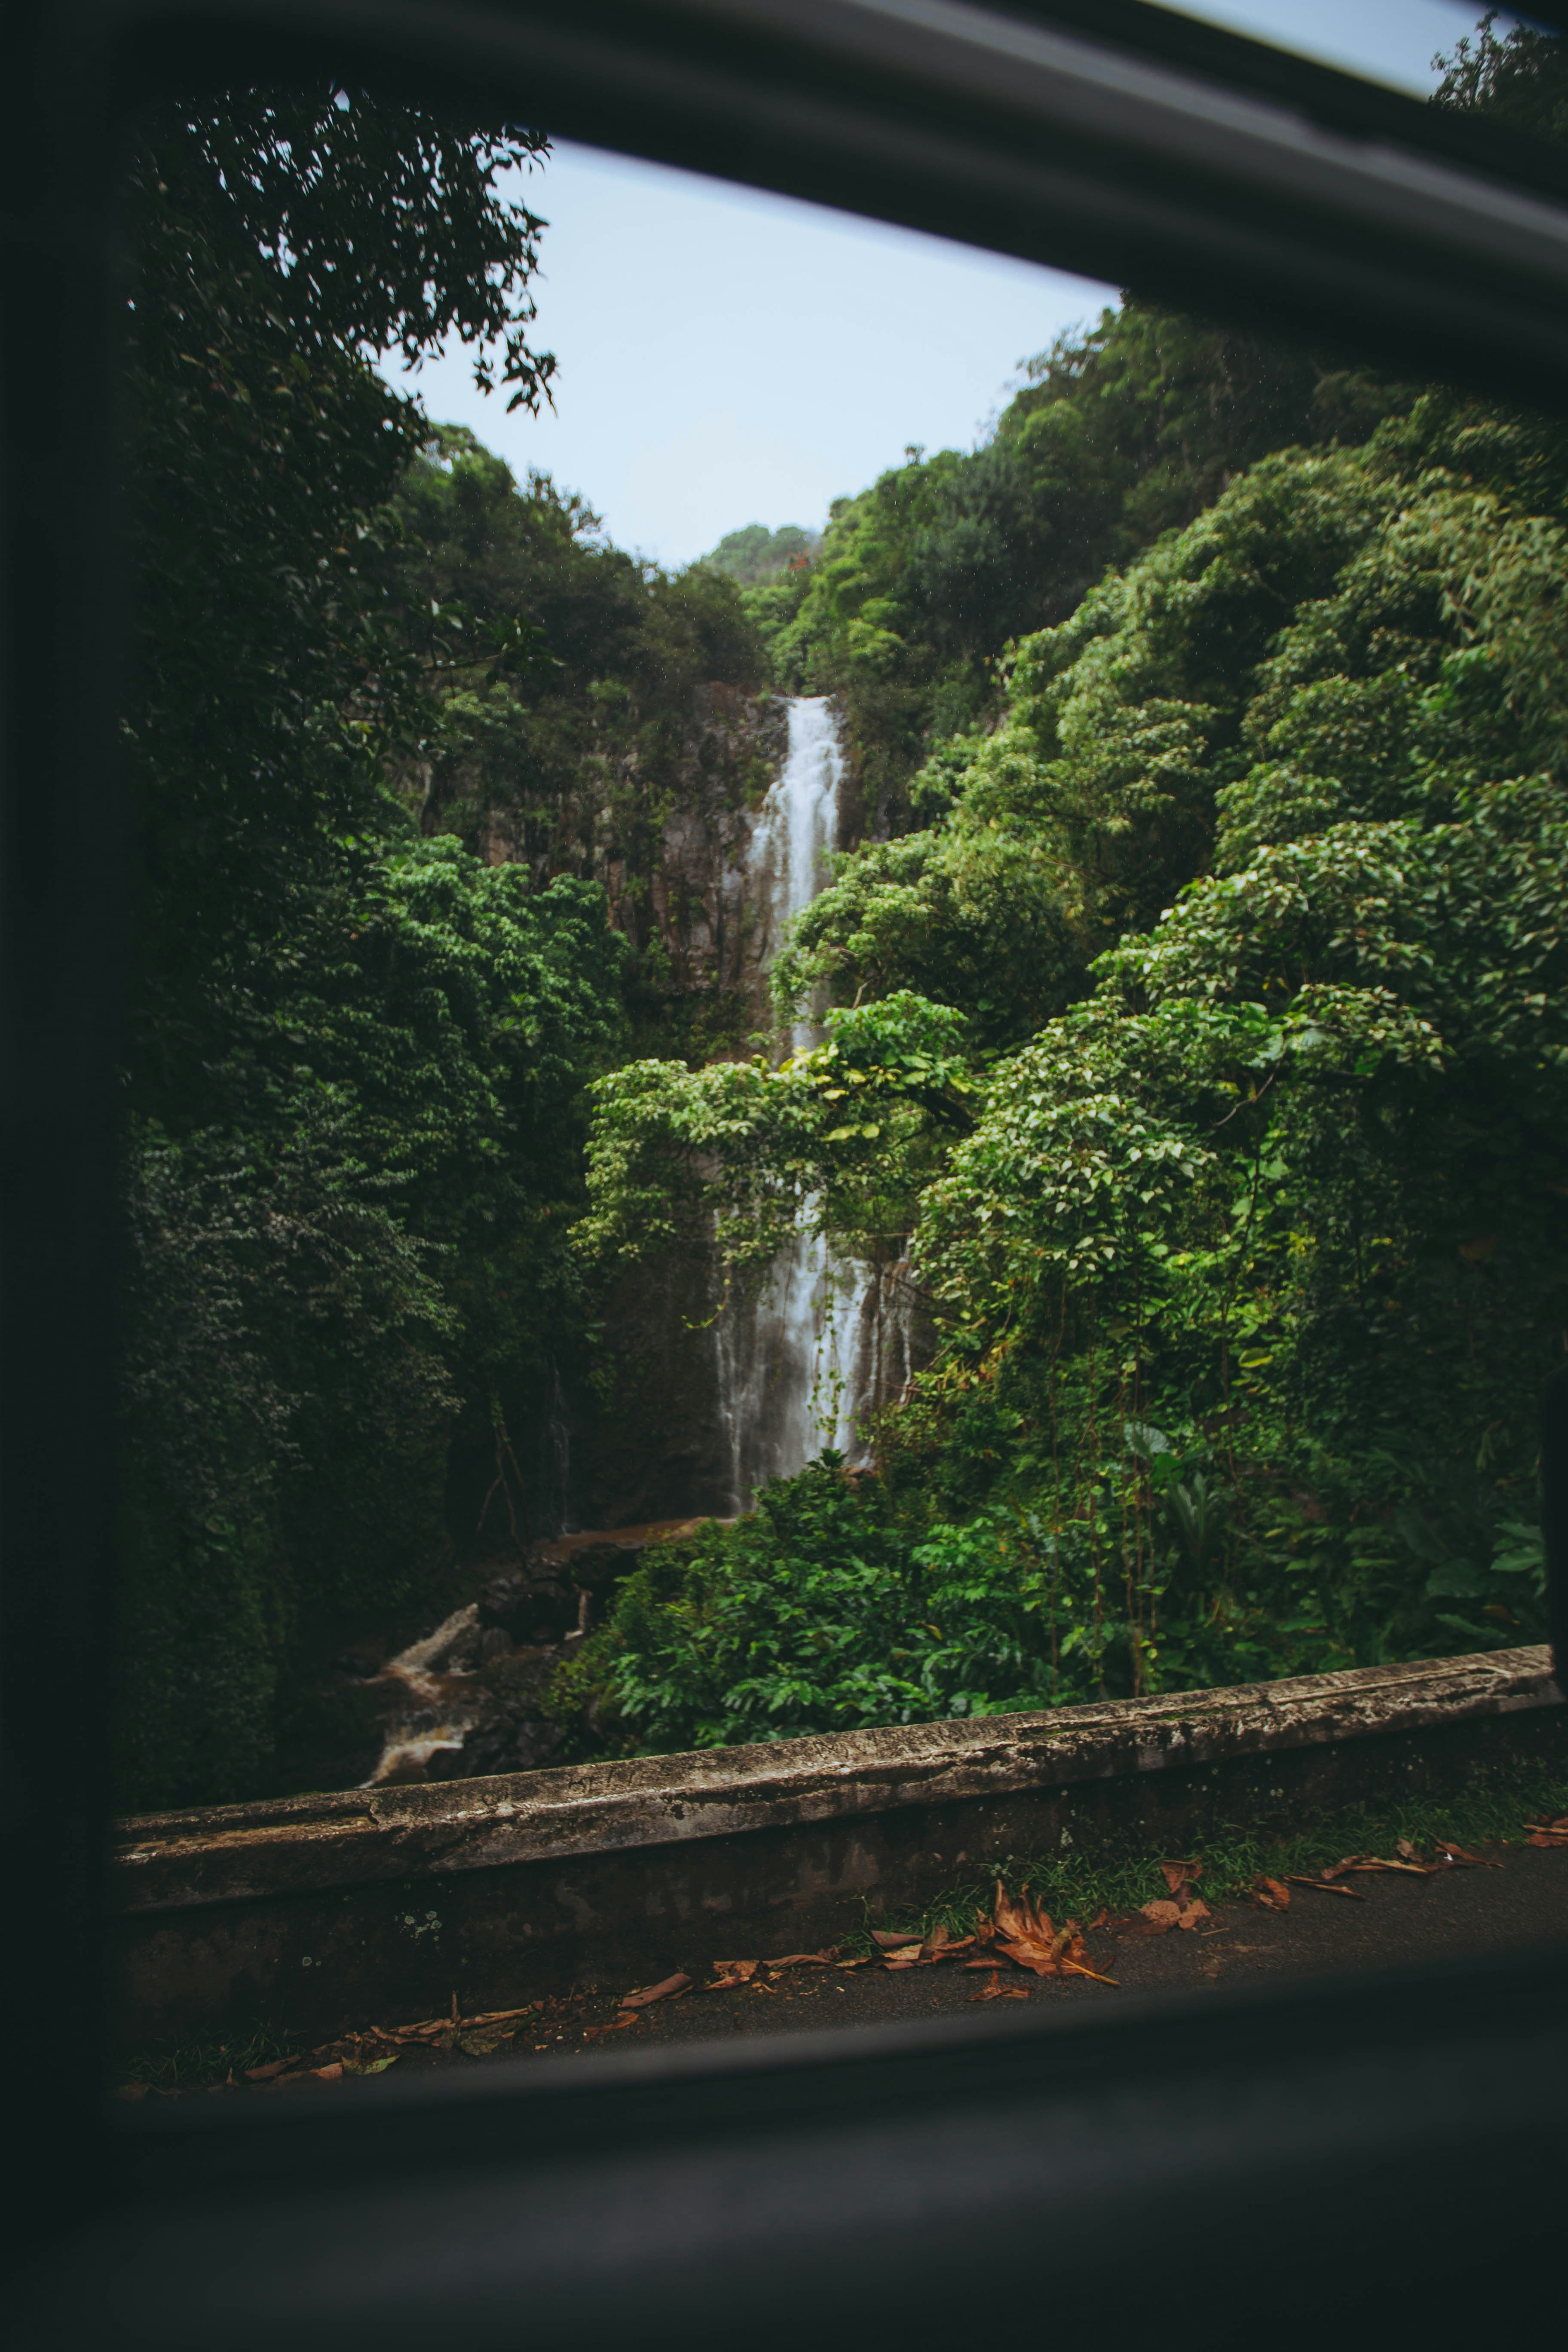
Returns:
(827, 1338)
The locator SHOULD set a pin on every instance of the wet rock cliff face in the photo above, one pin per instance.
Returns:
(677, 887)
(656, 1449)
(666, 821)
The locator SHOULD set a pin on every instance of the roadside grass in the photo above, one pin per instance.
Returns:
(1122, 1878)
(174, 2065)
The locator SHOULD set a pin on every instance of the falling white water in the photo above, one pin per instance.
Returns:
(829, 1338)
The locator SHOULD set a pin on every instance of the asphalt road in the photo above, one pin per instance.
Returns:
(1395, 1920)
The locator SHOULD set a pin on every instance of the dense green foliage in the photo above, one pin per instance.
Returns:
(1118, 434)
(1204, 1047)
(356, 1057)
(1195, 989)
(818, 1610)
(573, 755)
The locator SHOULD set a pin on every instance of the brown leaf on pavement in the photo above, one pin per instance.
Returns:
(616, 2025)
(991, 1961)
(661, 1991)
(731, 1973)
(804, 1960)
(269, 2072)
(1457, 1859)
(1325, 1886)
(1027, 1934)
(942, 1944)
(1158, 1916)
(890, 1942)
(1271, 1893)
(1194, 1912)
(1407, 1850)
(1360, 1861)
(1178, 1875)
(999, 1991)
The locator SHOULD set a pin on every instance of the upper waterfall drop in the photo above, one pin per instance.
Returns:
(798, 827)
(828, 1339)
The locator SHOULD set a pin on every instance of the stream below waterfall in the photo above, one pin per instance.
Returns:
(826, 1340)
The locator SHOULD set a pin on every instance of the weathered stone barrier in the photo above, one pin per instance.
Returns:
(319, 1911)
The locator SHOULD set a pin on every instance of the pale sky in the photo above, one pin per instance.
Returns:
(729, 357)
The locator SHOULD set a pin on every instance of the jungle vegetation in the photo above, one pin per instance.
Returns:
(1197, 1027)
(1199, 1035)
(386, 714)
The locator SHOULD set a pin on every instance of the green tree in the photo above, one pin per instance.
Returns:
(1254, 1250)
(355, 1059)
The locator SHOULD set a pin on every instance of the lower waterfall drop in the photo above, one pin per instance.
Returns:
(827, 1338)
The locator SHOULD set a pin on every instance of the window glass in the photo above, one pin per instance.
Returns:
(845, 1019)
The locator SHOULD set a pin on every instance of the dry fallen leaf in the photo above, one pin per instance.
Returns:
(942, 1944)
(890, 1942)
(804, 1960)
(661, 1991)
(472, 2045)
(1161, 1915)
(1407, 1850)
(728, 1974)
(1178, 1875)
(616, 2025)
(270, 2072)
(1324, 1886)
(1456, 1857)
(1272, 1893)
(999, 1991)
(1362, 1861)
(1025, 1934)
(1194, 1911)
